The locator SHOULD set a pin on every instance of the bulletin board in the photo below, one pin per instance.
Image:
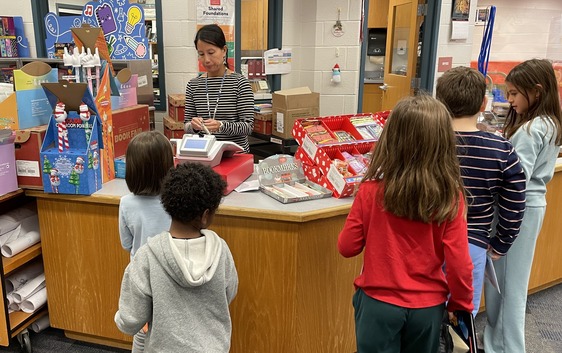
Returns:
(122, 24)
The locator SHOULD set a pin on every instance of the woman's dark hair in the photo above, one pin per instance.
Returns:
(189, 189)
(213, 35)
(147, 161)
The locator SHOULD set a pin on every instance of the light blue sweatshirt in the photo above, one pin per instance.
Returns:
(537, 151)
(141, 217)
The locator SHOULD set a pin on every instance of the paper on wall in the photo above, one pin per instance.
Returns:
(278, 61)
(459, 30)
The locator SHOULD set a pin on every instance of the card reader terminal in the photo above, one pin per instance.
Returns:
(205, 149)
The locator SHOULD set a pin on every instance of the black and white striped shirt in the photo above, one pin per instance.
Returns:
(235, 107)
(493, 179)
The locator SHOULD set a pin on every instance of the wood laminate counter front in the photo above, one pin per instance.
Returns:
(294, 288)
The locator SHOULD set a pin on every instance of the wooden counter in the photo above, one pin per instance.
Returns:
(295, 289)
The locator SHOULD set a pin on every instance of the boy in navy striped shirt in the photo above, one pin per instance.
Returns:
(493, 178)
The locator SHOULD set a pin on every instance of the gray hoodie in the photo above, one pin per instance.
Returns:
(182, 288)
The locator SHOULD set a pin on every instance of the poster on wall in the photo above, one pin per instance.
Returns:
(220, 12)
(122, 24)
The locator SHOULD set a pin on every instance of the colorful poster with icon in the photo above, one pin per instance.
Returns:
(122, 24)
(220, 12)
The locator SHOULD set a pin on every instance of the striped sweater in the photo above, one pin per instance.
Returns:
(234, 108)
(493, 179)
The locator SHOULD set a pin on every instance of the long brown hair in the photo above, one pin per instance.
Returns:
(536, 76)
(416, 160)
(148, 158)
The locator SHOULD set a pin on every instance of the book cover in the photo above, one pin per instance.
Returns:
(463, 326)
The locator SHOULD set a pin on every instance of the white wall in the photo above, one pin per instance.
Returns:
(459, 50)
(307, 29)
(22, 9)
(523, 30)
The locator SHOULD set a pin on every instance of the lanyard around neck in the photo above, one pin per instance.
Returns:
(218, 96)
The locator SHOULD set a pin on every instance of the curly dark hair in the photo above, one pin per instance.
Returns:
(189, 189)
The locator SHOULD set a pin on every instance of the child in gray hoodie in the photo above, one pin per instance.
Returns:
(183, 280)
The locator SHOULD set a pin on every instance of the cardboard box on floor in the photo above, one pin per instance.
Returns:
(290, 105)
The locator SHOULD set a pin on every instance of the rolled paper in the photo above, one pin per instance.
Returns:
(20, 277)
(34, 302)
(29, 288)
(12, 219)
(26, 225)
(20, 244)
(40, 324)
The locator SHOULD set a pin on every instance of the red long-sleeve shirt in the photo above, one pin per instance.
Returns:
(403, 259)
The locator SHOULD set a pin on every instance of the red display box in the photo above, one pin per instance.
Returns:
(128, 122)
(173, 134)
(263, 123)
(318, 159)
(176, 106)
(28, 164)
(234, 170)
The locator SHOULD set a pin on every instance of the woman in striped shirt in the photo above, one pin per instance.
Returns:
(220, 101)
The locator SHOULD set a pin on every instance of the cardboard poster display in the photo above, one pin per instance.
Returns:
(75, 168)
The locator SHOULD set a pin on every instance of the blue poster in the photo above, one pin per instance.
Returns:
(122, 24)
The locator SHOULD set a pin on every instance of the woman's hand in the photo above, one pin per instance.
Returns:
(207, 125)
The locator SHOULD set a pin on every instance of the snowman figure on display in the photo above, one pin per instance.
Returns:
(55, 180)
(60, 118)
(85, 117)
(79, 165)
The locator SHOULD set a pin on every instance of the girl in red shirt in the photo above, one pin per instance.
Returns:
(409, 219)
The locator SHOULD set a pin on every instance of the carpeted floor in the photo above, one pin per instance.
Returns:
(543, 327)
(543, 324)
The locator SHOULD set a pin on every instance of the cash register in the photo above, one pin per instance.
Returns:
(204, 149)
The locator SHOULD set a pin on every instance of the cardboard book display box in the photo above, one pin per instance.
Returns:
(8, 179)
(176, 106)
(281, 177)
(173, 129)
(28, 162)
(127, 85)
(27, 106)
(262, 123)
(128, 122)
(76, 169)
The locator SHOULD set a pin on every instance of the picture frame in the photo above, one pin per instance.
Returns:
(460, 10)
(481, 16)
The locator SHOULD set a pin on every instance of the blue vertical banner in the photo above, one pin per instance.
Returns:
(122, 25)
